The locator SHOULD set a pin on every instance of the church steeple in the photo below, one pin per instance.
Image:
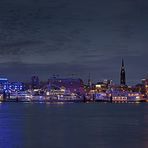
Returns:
(122, 63)
(122, 74)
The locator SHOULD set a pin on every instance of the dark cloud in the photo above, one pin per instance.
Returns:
(82, 36)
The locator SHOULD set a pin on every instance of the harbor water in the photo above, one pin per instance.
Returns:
(73, 125)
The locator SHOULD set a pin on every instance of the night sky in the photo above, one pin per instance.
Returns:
(65, 37)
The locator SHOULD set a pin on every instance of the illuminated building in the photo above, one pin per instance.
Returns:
(6, 88)
(13, 86)
(103, 86)
(145, 84)
(3, 80)
(71, 84)
(102, 97)
(134, 96)
(122, 74)
(16, 86)
(4, 84)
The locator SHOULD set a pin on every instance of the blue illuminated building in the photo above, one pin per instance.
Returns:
(16, 86)
(3, 80)
(7, 86)
(3, 84)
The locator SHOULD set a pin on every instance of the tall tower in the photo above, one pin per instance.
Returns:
(122, 74)
(89, 81)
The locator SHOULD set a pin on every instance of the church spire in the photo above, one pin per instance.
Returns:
(122, 63)
(122, 74)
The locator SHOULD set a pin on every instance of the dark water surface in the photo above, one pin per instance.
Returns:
(24, 125)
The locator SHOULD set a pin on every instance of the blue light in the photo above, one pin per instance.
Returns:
(3, 79)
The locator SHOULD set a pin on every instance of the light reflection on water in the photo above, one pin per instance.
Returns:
(33, 125)
(11, 127)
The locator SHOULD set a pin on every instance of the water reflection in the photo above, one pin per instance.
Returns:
(73, 125)
(11, 127)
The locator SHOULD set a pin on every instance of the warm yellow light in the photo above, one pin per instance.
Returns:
(98, 86)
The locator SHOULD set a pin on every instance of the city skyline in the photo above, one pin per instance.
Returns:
(73, 73)
(73, 37)
(120, 79)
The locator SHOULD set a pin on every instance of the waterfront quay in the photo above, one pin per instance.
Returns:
(72, 90)
(58, 89)
(100, 92)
